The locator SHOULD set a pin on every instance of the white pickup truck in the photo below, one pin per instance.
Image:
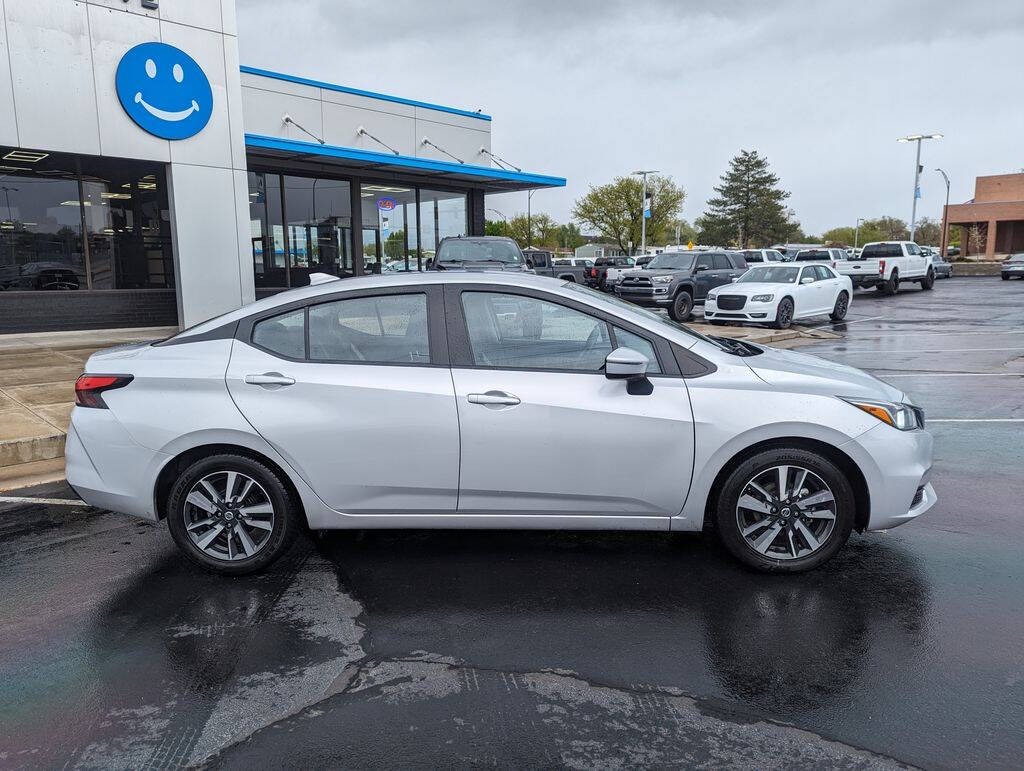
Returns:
(884, 264)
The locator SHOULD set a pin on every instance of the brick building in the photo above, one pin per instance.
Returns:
(997, 210)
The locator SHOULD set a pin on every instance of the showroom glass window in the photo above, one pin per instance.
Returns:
(266, 230)
(73, 223)
(390, 233)
(442, 214)
(319, 227)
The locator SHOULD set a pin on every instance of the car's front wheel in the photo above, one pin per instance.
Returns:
(841, 307)
(929, 280)
(682, 307)
(232, 514)
(784, 314)
(785, 510)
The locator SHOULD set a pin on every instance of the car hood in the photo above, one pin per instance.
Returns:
(749, 288)
(801, 372)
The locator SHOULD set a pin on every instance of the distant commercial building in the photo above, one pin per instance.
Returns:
(997, 211)
(148, 179)
(593, 251)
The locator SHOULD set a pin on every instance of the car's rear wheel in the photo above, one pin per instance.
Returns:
(1005, 277)
(784, 314)
(232, 514)
(892, 286)
(841, 307)
(785, 510)
(929, 280)
(682, 307)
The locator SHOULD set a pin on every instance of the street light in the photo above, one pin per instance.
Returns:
(943, 237)
(917, 173)
(529, 222)
(643, 204)
(856, 231)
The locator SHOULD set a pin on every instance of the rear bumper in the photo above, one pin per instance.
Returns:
(864, 281)
(107, 468)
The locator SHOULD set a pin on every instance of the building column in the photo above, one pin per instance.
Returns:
(990, 240)
(477, 220)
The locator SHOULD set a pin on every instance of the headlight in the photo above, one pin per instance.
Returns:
(712, 297)
(662, 279)
(762, 298)
(905, 417)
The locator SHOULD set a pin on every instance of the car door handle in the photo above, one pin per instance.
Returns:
(270, 378)
(494, 399)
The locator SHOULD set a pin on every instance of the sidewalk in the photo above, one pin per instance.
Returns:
(37, 379)
(38, 373)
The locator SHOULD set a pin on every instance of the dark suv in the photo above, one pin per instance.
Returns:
(677, 280)
(479, 253)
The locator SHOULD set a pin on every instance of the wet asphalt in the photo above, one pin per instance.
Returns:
(416, 649)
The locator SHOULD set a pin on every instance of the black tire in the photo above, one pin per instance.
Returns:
(929, 280)
(727, 517)
(286, 524)
(784, 314)
(682, 306)
(890, 287)
(841, 307)
(1004, 277)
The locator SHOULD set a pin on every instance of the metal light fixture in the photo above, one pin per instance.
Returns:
(917, 174)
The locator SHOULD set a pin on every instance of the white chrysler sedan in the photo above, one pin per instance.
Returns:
(478, 400)
(780, 294)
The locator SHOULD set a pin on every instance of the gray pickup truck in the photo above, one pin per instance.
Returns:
(544, 263)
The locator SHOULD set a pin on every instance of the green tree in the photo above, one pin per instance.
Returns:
(928, 231)
(615, 210)
(687, 232)
(495, 228)
(843, 236)
(749, 206)
(394, 245)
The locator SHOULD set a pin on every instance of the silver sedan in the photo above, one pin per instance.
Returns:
(477, 400)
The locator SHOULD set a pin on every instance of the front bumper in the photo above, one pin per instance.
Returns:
(897, 467)
(650, 297)
(751, 311)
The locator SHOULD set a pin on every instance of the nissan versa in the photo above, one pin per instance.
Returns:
(479, 400)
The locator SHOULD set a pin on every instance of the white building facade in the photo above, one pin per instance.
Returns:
(147, 178)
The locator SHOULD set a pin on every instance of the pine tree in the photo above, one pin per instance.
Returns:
(748, 208)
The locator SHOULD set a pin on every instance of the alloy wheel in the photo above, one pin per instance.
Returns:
(785, 313)
(842, 305)
(228, 515)
(786, 512)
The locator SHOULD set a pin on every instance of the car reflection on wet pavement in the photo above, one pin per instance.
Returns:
(532, 648)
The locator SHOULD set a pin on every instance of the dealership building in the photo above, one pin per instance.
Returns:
(147, 178)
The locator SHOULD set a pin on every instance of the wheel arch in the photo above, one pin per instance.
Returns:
(567, 277)
(861, 492)
(178, 463)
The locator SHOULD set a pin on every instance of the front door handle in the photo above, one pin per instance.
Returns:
(494, 399)
(270, 379)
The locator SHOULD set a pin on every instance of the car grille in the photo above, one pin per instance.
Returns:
(637, 281)
(731, 302)
(918, 497)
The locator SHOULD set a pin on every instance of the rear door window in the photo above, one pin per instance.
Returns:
(721, 262)
(388, 329)
(284, 334)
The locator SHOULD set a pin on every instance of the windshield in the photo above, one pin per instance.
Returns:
(671, 261)
(770, 274)
(1015, 258)
(480, 250)
(608, 299)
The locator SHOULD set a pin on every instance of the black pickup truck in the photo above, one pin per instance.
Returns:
(677, 280)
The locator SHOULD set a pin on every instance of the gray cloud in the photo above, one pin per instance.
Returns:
(590, 90)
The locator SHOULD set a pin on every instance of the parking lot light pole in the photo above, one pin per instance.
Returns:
(643, 203)
(917, 173)
(504, 224)
(856, 231)
(943, 236)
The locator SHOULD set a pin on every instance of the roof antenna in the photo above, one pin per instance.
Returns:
(286, 119)
(441, 150)
(361, 132)
(502, 163)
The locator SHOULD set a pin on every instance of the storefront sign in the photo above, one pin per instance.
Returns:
(386, 203)
(164, 91)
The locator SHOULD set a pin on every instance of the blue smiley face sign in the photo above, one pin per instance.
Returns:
(164, 91)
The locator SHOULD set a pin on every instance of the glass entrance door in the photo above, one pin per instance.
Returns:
(390, 233)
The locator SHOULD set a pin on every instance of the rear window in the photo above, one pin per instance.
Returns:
(881, 251)
(753, 257)
(604, 261)
(813, 254)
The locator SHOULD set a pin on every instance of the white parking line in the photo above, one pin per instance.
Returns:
(975, 420)
(50, 501)
(926, 350)
(958, 374)
(855, 321)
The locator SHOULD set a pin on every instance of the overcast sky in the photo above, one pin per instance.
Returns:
(589, 89)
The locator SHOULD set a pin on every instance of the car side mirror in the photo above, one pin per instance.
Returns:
(699, 268)
(807, 280)
(629, 365)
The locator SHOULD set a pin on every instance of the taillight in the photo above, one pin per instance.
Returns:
(89, 388)
(593, 272)
(881, 267)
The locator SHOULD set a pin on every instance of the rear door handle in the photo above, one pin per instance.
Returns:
(270, 379)
(494, 399)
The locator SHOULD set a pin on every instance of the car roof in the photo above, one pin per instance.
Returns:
(387, 280)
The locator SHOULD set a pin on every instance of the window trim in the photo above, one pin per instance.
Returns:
(461, 350)
(436, 336)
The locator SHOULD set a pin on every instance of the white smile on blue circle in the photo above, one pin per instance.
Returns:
(164, 91)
